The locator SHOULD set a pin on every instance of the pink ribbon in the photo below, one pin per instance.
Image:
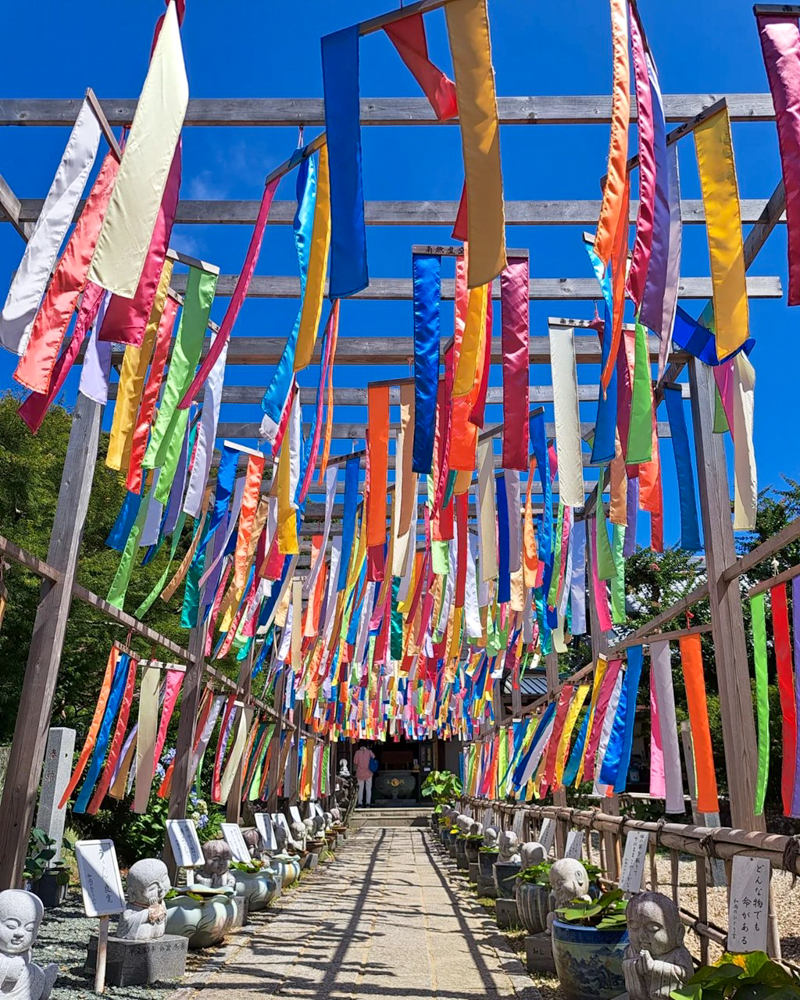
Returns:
(516, 324)
(647, 168)
(606, 690)
(658, 777)
(238, 297)
(171, 692)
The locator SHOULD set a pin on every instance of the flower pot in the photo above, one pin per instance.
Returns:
(461, 854)
(471, 848)
(51, 887)
(288, 869)
(258, 888)
(533, 905)
(505, 878)
(205, 922)
(589, 961)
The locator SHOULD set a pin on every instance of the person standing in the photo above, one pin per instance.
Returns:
(365, 768)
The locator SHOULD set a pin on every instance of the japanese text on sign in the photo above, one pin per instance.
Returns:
(636, 844)
(747, 914)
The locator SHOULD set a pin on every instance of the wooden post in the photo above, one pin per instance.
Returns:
(190, 704)
(47, 643)
(560, 795)
(102, 955)
(233, 808)
(730, 649)
(273, 778)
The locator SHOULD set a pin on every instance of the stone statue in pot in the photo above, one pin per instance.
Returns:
(476, 829)
(508, 846)
(490, 836)
(530, 854)
(568, 881)
(145, 916)
(215, 872)
(20, 918)
(656, 962)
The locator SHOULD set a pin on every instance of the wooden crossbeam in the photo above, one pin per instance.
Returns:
(11, 211)
(357, 432)
(379, 350)
(546, 289)
(582, 109)
(251, 395)
(413, 213)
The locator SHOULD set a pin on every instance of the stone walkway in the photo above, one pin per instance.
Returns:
(385, 921)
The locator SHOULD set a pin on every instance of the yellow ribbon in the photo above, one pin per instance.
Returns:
(569, 724)
(599, 674)
(471, 49)
(131, 380)
(311, 310)
(472, 341)
(714, 148)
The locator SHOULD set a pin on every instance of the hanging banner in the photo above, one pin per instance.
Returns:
(567, 416)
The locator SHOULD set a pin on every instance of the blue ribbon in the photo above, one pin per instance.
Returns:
(427, 300)
(103, 737)
(575, 758)
(519, 770)
(605, 428)
(503, 539)
(690, 527)
(278, 389)
(348, 273)
(632, 677)
(690, 335)
(539, 444)
(118, 535)
(226, 474)
(610, 766)
(349, 521)
(191, 593)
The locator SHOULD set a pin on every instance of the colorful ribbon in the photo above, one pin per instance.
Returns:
(758, 620)
(783, 662)
(690, 527)
(694, 680)
(427, 298)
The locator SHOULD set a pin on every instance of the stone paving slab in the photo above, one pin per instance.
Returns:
(384, 922)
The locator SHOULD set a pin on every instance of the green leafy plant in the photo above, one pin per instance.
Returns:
(540, 874)
(753, 976)
(487, 850)
(41, 851)
(251, 867)
(442, 787)
(608, 913)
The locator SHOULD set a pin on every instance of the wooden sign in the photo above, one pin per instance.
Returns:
(294, 812)
(317, 808)
(280, 820)
(749, 905)
(101, 884)
(636, 844)
(547, 834)
(232, 833)
(267, 831)
(185, 843)
(518, 825)
(574, 848)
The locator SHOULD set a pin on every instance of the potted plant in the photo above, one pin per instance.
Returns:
(533, 894)
(487, 856)
(589, 941)
(753, 976)
(442, 787)
(201, 914)
(44, 878)
(472, 846)
(255, 881)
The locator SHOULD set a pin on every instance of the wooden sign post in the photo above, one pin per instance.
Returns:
(267, 831)
(103, 896)
(185, 845)
(232, 833)
(574, 848)
(633, 861)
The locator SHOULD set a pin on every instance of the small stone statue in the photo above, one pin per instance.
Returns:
(476, 829)
(336, 813)
(463, 822)
(281, 838)
(145, 917)
(344, 770)
(254, 845)
(531, 854)
(20, 916)
(655, 963)
(490, 836)
(568, 881)
(328, 820)
(214, 872)
(508, 845)
(299, 832)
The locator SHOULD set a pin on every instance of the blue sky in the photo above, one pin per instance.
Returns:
(249, 49)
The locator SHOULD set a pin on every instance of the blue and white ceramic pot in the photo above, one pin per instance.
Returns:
(589, 961)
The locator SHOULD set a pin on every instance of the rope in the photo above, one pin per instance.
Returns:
(659, 828)
(709, 845)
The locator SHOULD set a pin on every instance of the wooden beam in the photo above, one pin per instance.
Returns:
(401, 289)
(568, 109)
(24, 558)
(414, 213)
(390, 350)
(788, 534)
(730, 648)
(357, 431)
(10, 211)
(47, 642)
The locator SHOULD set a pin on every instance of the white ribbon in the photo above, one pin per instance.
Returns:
(486, 511)
(661, 665)
(33, 273)
(567, 416)
(330, 493)
(472, 617)
(745, 497)
(206, 432)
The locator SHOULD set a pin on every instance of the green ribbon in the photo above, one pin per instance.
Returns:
(618, 615)
(147, 603)
(640, 433)
(119, 585)
(440, 558)
(397, 623)
(191, 595)
(606, 568)
(552, 597)
(762, 697)
(170, 423)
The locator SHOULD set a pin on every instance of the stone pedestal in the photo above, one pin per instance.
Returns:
(474, 872)
(136, 963)
(311, 860)
(242, 913)
(539, 953)
(507, 917)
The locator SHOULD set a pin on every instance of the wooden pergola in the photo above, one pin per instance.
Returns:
(370, 349)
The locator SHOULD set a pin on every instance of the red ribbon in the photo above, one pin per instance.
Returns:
(118, 740)
(647, 168)
(408, 37)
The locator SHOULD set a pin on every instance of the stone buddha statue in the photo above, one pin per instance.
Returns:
(145, 916)
(254, 845)
(20, 917)
(656, 962)
(531, 853)
(215, 872)
(299, 835)
(476, 829)
(490, 836)
(568, 881)
(508, 846)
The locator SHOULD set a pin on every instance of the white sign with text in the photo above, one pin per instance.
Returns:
(232, 833)
(547, 834)
(101, 884)
(185, 843)
(574, 848)
(636, 844)
(749, 905)
(267, 831)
